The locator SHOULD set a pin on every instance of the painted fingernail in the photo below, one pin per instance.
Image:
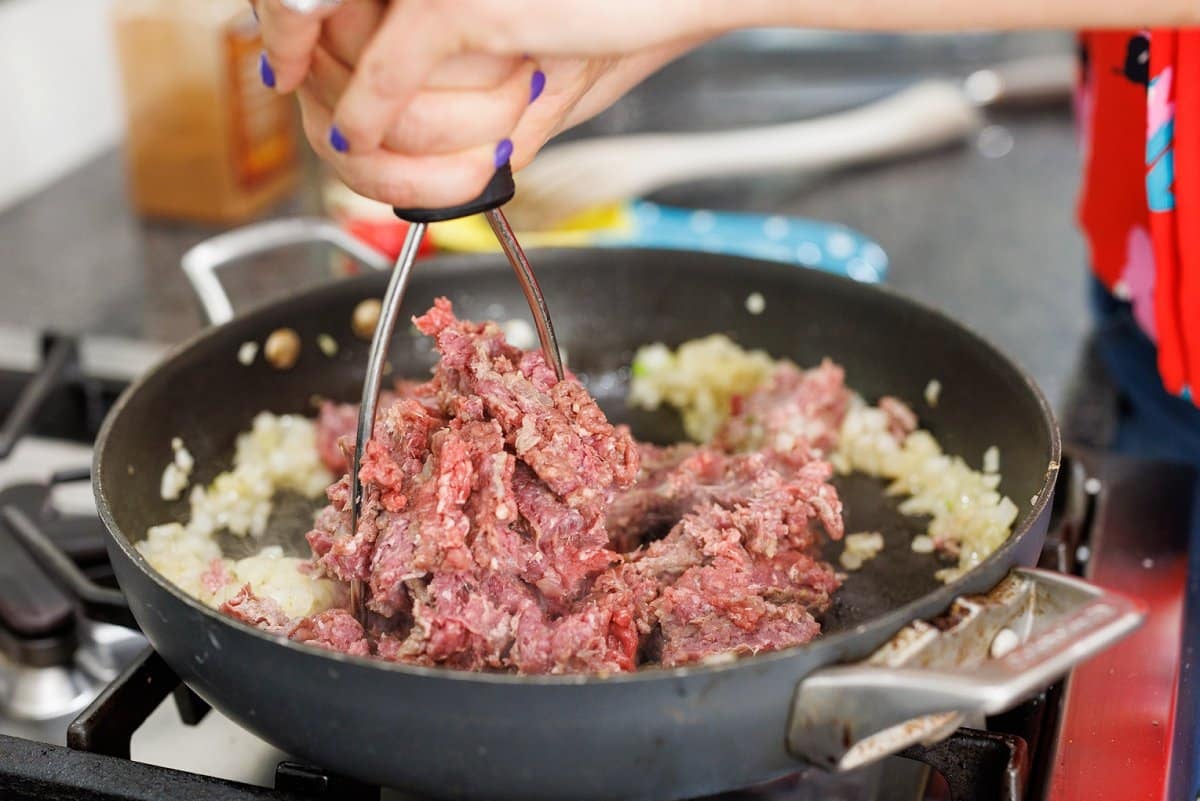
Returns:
(265, 72)
(537, 84)
(338, 140)
(503, 152)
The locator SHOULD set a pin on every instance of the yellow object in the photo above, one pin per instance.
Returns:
(473, 235)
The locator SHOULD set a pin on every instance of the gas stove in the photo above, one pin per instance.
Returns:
(84, 708)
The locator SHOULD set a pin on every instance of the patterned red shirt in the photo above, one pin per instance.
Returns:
(1139, 107)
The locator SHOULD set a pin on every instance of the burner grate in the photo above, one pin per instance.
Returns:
(978, 765)
(38, 772)
(107, 725)
(37, 618)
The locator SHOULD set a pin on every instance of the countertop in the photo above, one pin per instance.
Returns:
(984, 231)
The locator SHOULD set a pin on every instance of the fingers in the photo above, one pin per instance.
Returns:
(346, 34)
(448, 121)
(399, 179)
(393, 67)
(472, 71)
(567, 82)
(439, 121)
(288, 41)
(417, 44)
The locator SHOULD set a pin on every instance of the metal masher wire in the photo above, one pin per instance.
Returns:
(376, 359)
(529, 285)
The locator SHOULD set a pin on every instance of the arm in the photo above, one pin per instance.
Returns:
(957, 15)
(424, 98)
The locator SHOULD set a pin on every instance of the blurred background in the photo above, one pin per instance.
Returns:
(136, 128)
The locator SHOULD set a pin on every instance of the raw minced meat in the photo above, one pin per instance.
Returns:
(336, 422)
(737, 573)
(262, 612)
(507, 525)
(777, 404)
(793, 410)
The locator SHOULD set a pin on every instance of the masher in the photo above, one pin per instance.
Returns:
(498, 192)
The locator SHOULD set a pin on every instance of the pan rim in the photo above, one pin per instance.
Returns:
(894, 619)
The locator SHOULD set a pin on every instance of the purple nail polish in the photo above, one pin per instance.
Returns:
(537, 84)
(503, 152)
(265, 72)
(338, 140)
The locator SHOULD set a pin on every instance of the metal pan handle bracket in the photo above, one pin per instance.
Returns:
(202, 261)
(986, 654)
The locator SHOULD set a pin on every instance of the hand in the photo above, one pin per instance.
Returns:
(436, 141)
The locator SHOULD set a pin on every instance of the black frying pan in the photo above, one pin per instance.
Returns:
(654, 734)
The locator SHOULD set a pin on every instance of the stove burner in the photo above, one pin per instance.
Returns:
(37, 702)
(38, 693)
(37, 618)
(53, 661)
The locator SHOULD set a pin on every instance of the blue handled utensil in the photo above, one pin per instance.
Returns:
(802, 242)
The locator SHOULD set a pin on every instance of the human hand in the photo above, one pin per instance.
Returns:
(476, 105)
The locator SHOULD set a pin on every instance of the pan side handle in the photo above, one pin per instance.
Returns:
(202, 262)
(920, 686)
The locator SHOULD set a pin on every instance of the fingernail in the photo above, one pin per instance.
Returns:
(503, 152)
(265, 72)
(536, 85)
(337, 140)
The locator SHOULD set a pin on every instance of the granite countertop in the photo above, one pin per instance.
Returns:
(984, 231)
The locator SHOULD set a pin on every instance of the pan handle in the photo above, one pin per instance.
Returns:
(202, 261)
(923, 684)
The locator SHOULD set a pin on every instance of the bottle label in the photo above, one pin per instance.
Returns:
(261, 122)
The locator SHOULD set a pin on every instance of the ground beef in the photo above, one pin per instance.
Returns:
(335, 629)
(795, 410)
(676, 479)
(483, 527)
(216, 577)
(335, 433)
(507, 525)
(736, 573)
(263, 613)
(901, 420)
(336, 422)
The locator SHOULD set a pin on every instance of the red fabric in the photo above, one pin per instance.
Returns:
(1184, 312)
(1114, 198)
(1163, 228)
(1140, 207)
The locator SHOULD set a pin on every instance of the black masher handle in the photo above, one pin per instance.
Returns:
(498, 192)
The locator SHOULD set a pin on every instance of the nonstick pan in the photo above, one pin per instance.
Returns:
(656, 733)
